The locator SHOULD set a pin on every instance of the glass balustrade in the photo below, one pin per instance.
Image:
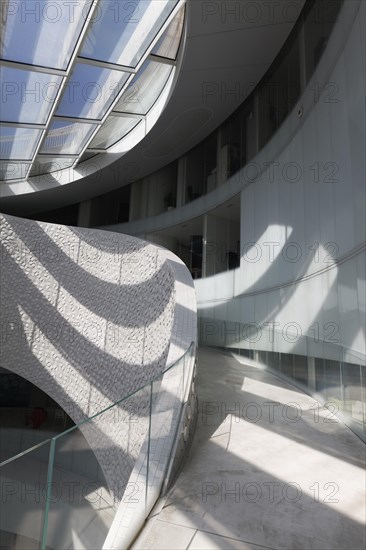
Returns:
(64, 492)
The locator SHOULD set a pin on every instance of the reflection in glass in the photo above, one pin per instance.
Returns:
(18, 143)
(352, 399)
(13, 170)
(196, 250)
(222, 250)
(144, 89)
(318, 25)
(301, 369)
(90, 91)
(75, 460)
(231, 147)
(249, 132)
(273, 359)
(124, 30)
(332, 380)
(27, 96)
(287, 364)
(66, 137)
(278, 93)
(210, 167)
(168, 44)
(32, 31)
(44, 165)
(195, 183)
(114, 129)
(262, 357)
(319, 375)
(24, 511)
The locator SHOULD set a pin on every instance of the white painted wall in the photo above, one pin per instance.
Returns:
(303, 220)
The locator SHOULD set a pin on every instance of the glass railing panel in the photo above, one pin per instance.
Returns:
(80, 506)
(23, 481)
(167, 402)
(64, 492)
(91, 472)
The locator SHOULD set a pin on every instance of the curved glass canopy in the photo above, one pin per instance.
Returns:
(78, 77)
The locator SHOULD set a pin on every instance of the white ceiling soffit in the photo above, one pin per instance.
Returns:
(228, 46)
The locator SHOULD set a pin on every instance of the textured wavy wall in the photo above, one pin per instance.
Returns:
(90, 317)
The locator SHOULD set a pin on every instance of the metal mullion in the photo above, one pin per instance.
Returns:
(71, 66)
(161, 59)
(144, 116)
(123, 89)
(60, 155)
(29, 125)
(106, 65)
(110, 109)
(17, 180)
(76, 119)
(160, 33)
(32, 68)
(134, 70)
(95, 150)
(65, 80)
(126, 114)
(79, 157)
(16, 161)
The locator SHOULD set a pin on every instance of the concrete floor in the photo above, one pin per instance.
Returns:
(268, 468)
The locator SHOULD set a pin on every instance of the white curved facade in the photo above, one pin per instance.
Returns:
(90, 320)
(302, 233)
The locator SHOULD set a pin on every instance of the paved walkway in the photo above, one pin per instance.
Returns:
(268, 468)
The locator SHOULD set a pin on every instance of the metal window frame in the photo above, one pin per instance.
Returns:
(65, 74)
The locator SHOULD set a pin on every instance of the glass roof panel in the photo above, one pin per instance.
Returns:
(124, 30)
(33, 29)
(168, 44)
(90, 91)
(45, 165)
(27, 96)
(18, 143)
(144, 89)
(13, 170)
(114, 129)
(66, 138)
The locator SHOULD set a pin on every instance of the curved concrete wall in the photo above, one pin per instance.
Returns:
(301, 280)
(90, 317)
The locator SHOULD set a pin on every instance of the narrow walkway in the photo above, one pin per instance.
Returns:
(268, 468)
